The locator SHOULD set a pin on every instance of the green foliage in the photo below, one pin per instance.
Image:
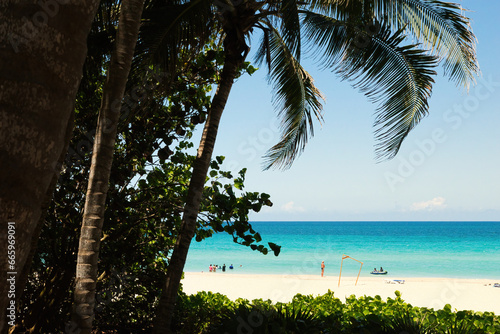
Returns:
(386, 49)
(247, 66)
(407, 321)
(201, 313)
(147, 190)
(207, 312)
(325, 314)
(264, 318)
(226, 211)
(151, 168)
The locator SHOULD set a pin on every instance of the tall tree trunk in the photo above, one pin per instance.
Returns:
(190, 214)
(23, 276)
(102, 159)
(42, 51)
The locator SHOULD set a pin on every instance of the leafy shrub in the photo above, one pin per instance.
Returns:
(329, 310)
(201, 312)
(261, 317)
(410, 321)
(215, 313)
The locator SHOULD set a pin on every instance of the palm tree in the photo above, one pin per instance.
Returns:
(368, 42)
(102, 158)
(40, 72)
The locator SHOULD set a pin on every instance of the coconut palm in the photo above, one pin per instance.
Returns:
(102, 158)
(388, 49)
(40, 70)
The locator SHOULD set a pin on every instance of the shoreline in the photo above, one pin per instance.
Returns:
(461, 293)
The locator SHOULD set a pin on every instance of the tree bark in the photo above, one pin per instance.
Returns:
(42, 51)
(102, 159)
(191, 208)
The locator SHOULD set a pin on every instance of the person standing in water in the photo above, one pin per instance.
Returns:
(322, 268)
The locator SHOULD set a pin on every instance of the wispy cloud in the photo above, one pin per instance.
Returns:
(433, 204)
(291, 207)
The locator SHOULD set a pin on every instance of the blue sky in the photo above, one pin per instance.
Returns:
(447, 168)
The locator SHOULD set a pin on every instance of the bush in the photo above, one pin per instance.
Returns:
(201, 312)
(265, 318)
(207, 312)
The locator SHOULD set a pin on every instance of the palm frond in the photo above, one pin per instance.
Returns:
(328, 37)
(263, 50)
(343, 10)
(297, 99)
(398, 77)
(290, 26)
(173, 28)
(441, 28)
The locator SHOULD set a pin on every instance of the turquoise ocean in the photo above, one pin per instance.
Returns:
(404, 249)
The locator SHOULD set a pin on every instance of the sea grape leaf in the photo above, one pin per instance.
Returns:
(275, 248)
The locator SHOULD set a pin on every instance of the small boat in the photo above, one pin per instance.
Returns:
(379, 272)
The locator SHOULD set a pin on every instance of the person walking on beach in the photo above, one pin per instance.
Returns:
(322, 268)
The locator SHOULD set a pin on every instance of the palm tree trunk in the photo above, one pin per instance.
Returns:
(45, 206)
(191, 208)
(102, 159)
(40, 70)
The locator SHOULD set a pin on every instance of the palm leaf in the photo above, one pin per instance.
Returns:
(398, 77)
(297, 99)
(343, 10)
(328, 38)
(263, 50)
(175, 28)
(290, 26)
(441, 28)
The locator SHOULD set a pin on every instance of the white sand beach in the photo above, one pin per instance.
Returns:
(461, 294)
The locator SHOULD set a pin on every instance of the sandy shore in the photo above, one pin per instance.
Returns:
(461, 294)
